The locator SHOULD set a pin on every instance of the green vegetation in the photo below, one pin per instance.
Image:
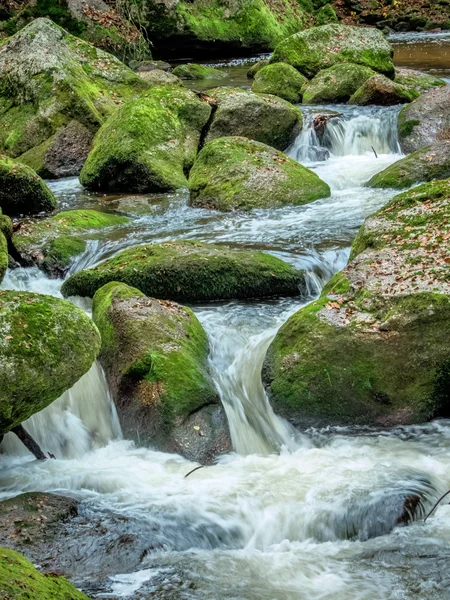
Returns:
(381, 90)
(193, 71)
(336, 84)
(280, 80)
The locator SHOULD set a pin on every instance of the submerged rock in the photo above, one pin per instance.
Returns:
(191, 272)
(148, 143)
(281, 80)
(194, 71)
(155, 355)
(259, 117)
(257, 66)
(319, 48)
(336, 84)
(432, 162)
(53, 243)
(373, 348)
(234, 173)
(22, 191)
(46, 345)
(384, 92)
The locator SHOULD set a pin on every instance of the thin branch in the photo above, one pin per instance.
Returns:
(193, 470)
(436, 505)
(374, 151)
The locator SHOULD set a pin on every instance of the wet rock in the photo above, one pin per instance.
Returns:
(194, 71)
(256, 67)
(149, 65)
(165, 271)
(319, 48)
(425, 121)
(259, 117)
(155, 355)
(158, 77)
(22, 191)
(280, 80)
(432, 162)
(372, 349)
(382, 91)
(147, 144)
(234, 173)
(335, 84)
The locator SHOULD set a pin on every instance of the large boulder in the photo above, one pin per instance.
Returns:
(319, 48)
(22, 191)
(432, 162)
(155, 355)
(280, 80)
(52, 244)
(383, 91)
(191, 272)
(417, 80)
(426, 120)
(156, 77)
(373, 349)
(194, 71)
(259, 117)
(336, 84)
(234, 173)
(49, 79)
(257, 66)
(147, 144)
(46, 345)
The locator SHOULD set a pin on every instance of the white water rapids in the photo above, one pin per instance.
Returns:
(287, 516)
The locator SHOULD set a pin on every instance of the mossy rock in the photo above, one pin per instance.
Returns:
(49, 78)
(416, 80)
(20, 580)
(257, 66)
(259, 117)
(280, 80)
(159, 77)
(53, 243)
(425, 120)
(147, 144)
(319, 48)
(194, 71)
(3, 256)
(22, 191)
(155, 355)
(325, 15)
(191, 272)
(234, 173)
(46, 345)
(372, 349)
(336, 84)
(6, 226)
(432, 162)
(382, 91)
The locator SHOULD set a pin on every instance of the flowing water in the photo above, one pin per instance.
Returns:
(286, 516)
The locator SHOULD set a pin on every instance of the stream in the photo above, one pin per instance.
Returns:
(286, 515)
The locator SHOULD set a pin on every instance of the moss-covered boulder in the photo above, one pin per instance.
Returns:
(52, 244)
(432, 162)
(259, 117)
(319, 48)
(257, 66)
(373, 349)
(425, 120)
(46, 345)
(326, 15)
(417, 80)
(48, 79)
(3, 256)
(234, 173)
(22, 191)
(281, 80)
(194, 71)
(384, 92)
(20, 580)
(155, 355)
(336, 84)
(148, 143)
(159, 77)
(191, 272)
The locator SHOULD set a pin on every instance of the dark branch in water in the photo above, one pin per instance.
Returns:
(436, 505)
(374, 151)
(29, 442)
(193, 470)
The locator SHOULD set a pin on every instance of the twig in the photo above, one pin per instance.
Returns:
(29, 442)
(193, 470)
(436, 505)
(374, 151)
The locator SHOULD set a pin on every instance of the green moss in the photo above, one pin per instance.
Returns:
(234, 173)
(46, 344)
(194, 71)
(19, 580)
(6, 226)
(415, 80)
(381, 90)
(257, 66)
(280, 80)
(3, 256)
(336, 84)
(35, 158)
(191, 272)
(325, 15)
(405, 127)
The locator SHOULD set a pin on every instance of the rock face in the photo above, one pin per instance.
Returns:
(194, 71)
(46, 345)
(319, 48)
(336, 84)
(22, 191)
(426, 120)
(147, 144)
(52, 244)
(262, 118)
(234, 173)
(191, 272)
(280, 80)
(374, 348)
(381, 90)
(155, 355)
(432, 162)
(48, 79)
